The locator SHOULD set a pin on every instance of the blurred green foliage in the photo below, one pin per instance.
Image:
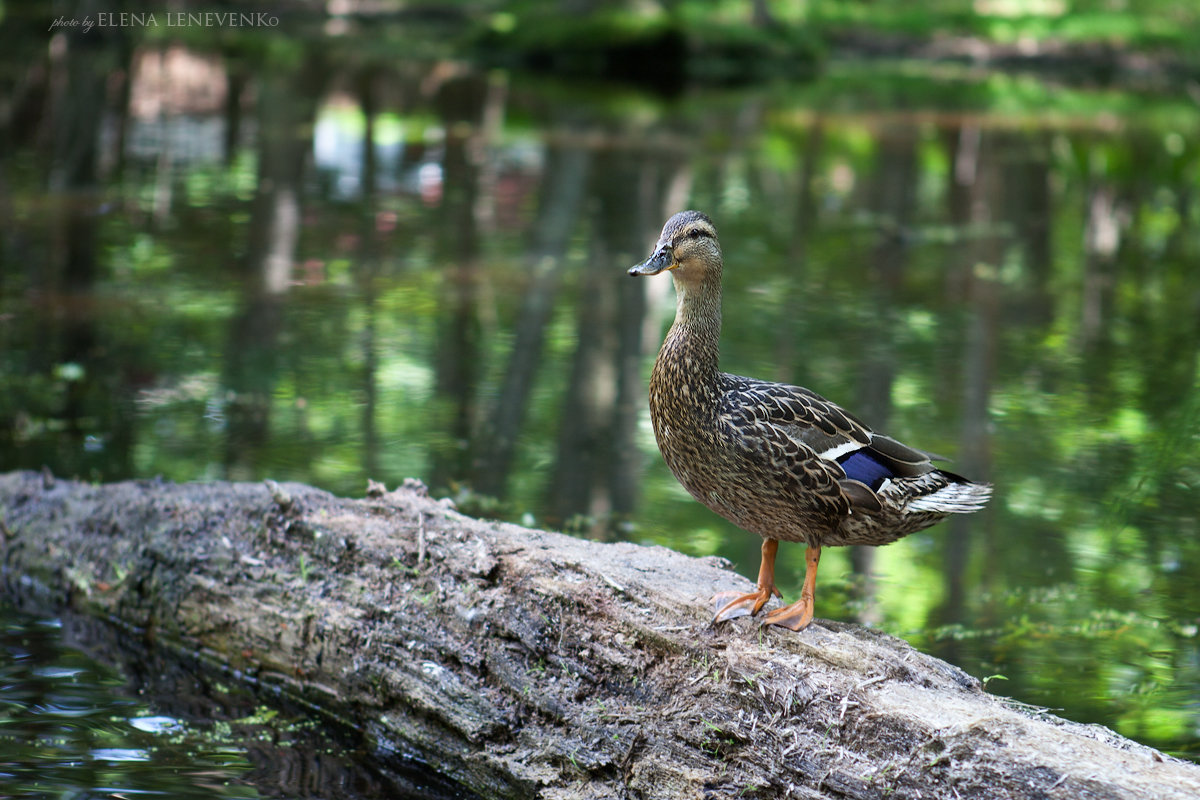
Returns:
(1079, 583)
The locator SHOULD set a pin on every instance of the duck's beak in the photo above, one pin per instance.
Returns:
(661, 260)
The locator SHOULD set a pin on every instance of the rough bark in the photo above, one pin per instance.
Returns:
(523, 663)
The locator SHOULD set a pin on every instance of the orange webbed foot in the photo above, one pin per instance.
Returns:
(731, 605)
(799, 614)
(795, 617)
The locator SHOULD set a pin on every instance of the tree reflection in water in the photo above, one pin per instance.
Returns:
(438, 291)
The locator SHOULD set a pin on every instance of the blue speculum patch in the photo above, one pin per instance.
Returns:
(861, 466)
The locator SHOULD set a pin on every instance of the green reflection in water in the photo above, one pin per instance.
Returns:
(87, 711)
(989, 266)
(68, 728)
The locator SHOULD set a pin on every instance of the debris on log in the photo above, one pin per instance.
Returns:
(528, 664)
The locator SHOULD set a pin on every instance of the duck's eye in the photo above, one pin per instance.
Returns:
(696, 233)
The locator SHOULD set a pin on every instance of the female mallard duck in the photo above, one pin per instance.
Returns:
(777, 460)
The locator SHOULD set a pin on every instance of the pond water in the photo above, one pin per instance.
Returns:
(85, 713)
(333, 266)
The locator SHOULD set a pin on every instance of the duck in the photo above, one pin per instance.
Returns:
(776, 460)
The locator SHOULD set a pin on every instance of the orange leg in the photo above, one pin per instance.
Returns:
(800, 613)
(742, 604)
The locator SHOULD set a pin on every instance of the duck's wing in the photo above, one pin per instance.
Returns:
(831, 440)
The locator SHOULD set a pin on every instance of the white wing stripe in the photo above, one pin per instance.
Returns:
(836, 451)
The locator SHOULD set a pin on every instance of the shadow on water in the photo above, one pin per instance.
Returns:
(332, 257)
(87, 710)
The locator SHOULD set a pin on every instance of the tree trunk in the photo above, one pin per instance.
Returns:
(563, 181)
(523, 663)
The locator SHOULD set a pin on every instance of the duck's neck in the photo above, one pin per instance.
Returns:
(692, 347)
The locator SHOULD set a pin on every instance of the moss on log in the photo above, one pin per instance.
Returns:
(523, 663)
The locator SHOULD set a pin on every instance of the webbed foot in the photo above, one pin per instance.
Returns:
(796, 617)
(799, 614)
(731, 605)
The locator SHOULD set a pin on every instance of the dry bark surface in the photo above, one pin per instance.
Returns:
(529, 664)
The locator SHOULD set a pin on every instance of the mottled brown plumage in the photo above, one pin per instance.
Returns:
(776, 460)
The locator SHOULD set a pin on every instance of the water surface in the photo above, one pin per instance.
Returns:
(329, 266)
(86, 711)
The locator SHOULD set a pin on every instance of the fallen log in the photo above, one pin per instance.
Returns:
(523, 663)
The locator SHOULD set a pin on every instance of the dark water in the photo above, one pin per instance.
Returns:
(239, 273)
(86, 713)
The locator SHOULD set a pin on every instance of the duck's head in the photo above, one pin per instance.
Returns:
(687, 246)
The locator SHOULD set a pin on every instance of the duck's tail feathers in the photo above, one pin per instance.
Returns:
(956, 496)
